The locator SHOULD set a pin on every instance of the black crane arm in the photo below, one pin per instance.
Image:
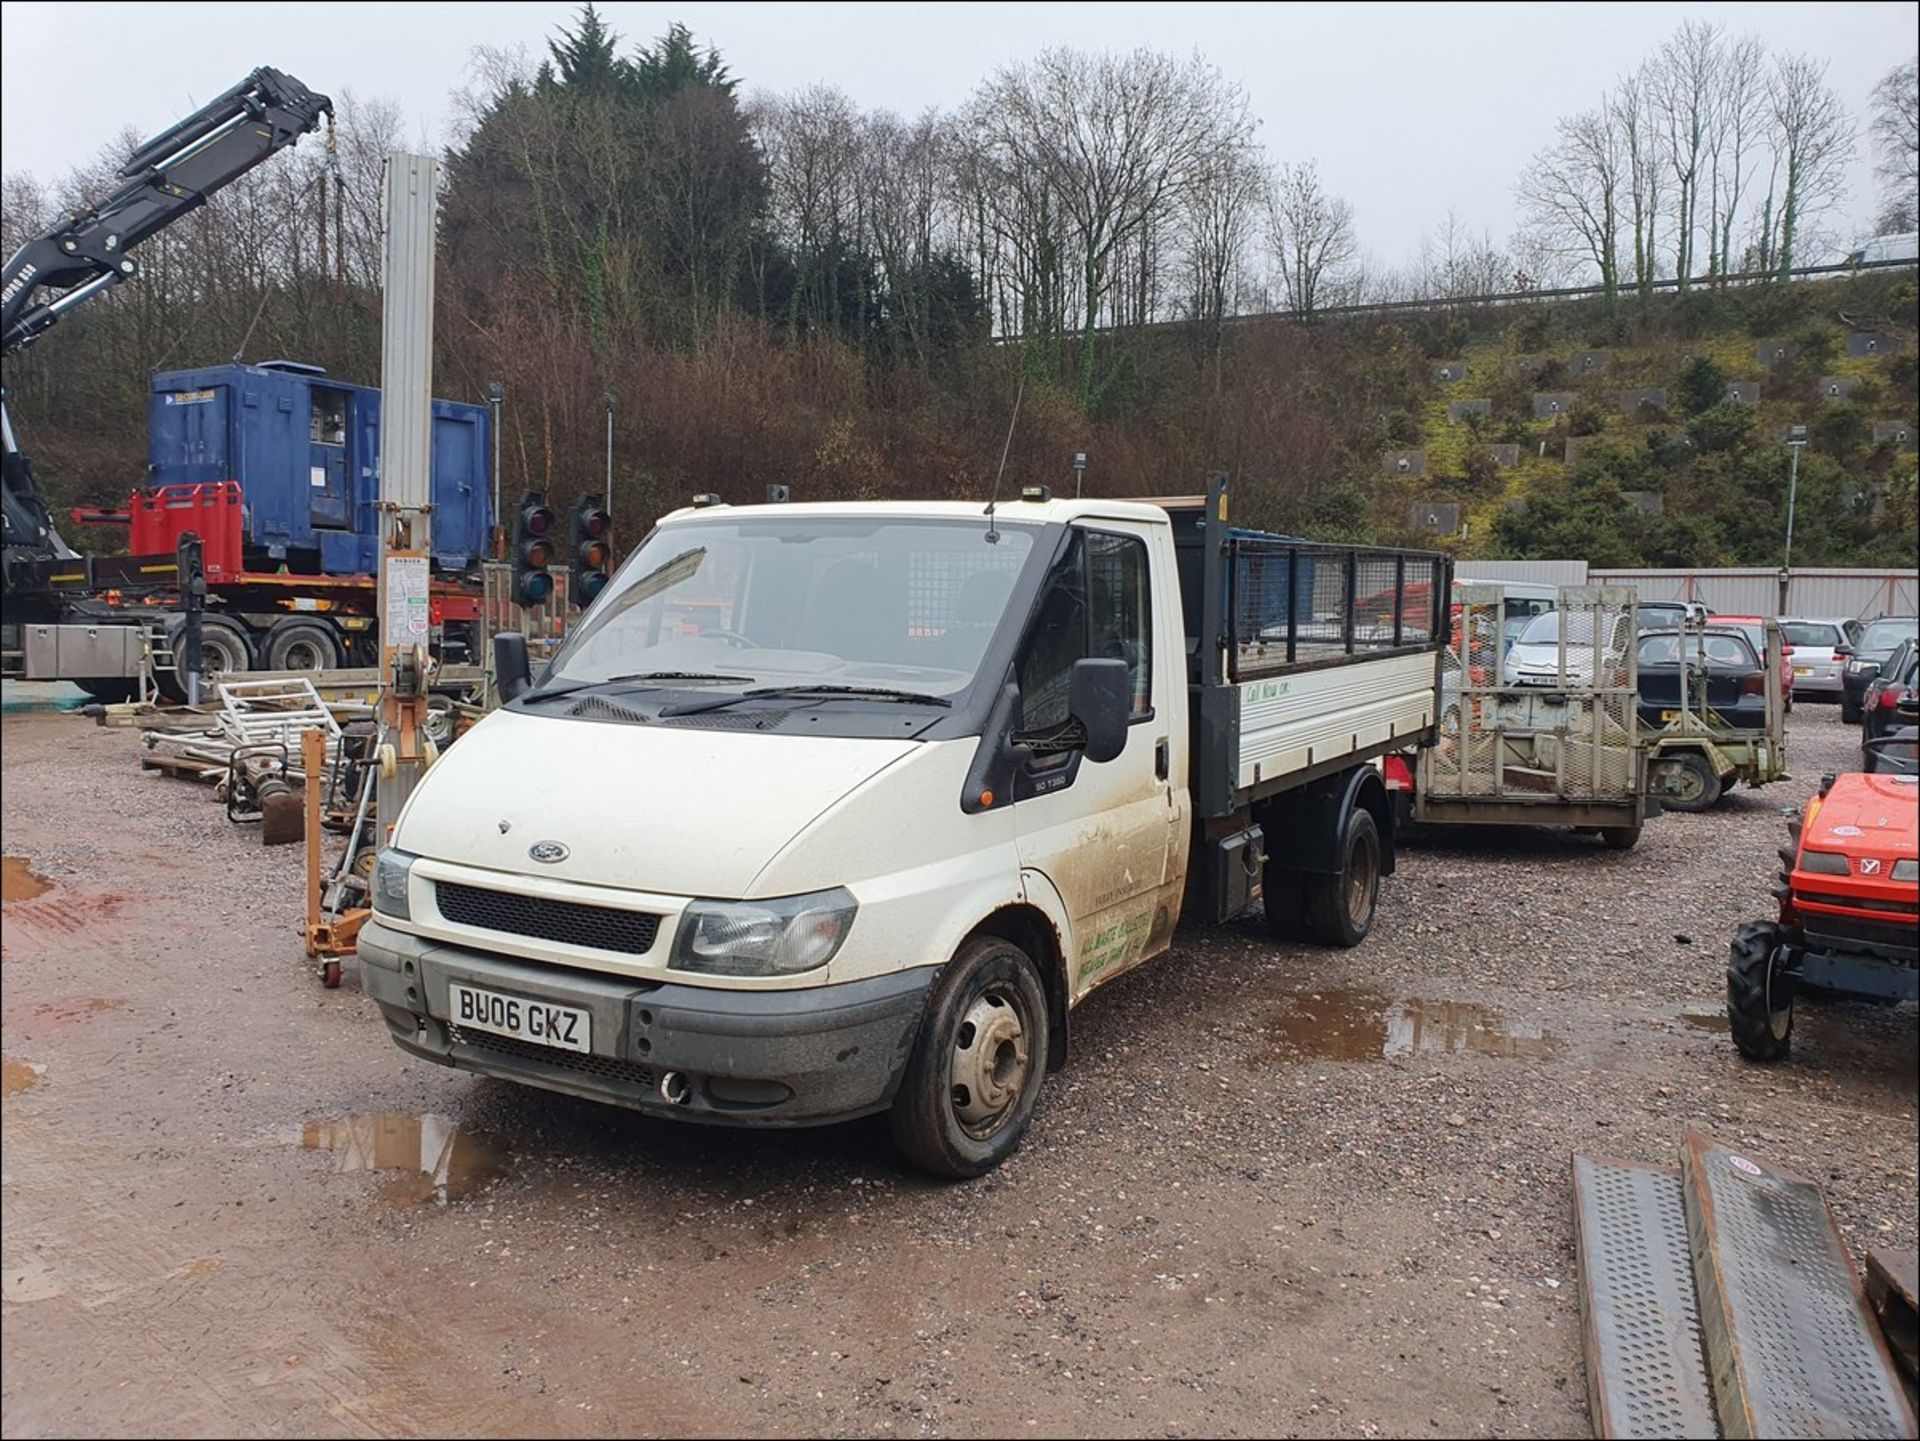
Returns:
(168, 177)
(87, 251)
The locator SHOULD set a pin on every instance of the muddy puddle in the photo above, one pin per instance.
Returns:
(431, 1160)
(18, 1076)
(18, 881)
(1705, 1018)
(1360, 1025)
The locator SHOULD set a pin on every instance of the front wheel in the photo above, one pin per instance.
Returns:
(971, 1083)
(1340, 907)
(1759, 993)
(1620, 838)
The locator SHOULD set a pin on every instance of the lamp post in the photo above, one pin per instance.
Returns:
(496, 397)
(607, 400)
(1796, 442)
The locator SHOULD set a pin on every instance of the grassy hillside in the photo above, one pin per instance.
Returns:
(1697, 476)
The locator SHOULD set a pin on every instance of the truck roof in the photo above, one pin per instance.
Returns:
(1026, 512)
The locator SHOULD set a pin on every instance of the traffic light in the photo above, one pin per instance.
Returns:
(592, 549)
(533, 540)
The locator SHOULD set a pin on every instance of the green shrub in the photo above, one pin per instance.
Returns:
(1725, 427)
(1586, 419)
(1702, 386)
(1841, 428)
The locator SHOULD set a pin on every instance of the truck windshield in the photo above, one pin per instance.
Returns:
(796, 599)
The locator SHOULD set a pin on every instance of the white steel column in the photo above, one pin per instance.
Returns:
(405, 509)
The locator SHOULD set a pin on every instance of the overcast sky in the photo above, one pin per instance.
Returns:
(1410, 109)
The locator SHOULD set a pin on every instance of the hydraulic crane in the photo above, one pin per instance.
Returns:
(87, 251)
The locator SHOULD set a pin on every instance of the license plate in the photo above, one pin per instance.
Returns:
(1803, 670)
(566, 1028)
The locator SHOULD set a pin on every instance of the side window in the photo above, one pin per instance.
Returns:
(1056, 639)
(1121, 609)
(1096, 604)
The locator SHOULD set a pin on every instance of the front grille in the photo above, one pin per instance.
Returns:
(600, 928)
(606, 1067)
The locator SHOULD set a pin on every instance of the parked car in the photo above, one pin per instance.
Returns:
(1736, 676)
(1880, 707)
(1534, 657)
(1816, 666)
(1865, 657)
(1671, 614)
(1754, 628)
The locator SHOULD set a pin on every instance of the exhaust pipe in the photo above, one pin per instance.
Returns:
(675, 1089)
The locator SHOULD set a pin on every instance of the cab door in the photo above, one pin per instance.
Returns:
(1100, 834)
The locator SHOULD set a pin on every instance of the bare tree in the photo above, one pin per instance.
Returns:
(1220, 218)
(1896, 144)
(1456, 264)
(1570, 195)
(1633, 115)
(1118, 140)
(1312, 235)
(1812, 138)
(1733, 121)
(1683, 78)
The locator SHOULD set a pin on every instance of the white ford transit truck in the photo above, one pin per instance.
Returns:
(823, 810)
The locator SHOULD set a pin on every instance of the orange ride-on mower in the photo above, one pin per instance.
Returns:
(1849, 924)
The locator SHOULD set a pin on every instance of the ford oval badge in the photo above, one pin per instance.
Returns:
(548, 852)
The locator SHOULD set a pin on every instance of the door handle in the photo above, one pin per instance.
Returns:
(1161, 757)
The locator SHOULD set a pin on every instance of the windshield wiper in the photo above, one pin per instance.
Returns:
(570, 687)
(825, 692)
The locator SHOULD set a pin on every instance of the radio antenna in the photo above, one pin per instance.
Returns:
(993, 536)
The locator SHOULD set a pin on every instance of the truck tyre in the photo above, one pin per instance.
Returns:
(975, 1072)
(1340, 907)
(1283, 894)
(225, 651)
(1620, 838)
(1689, 783)
(300, 645)
(1760, 994)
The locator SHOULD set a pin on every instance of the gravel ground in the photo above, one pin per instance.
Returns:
(1279, 1190)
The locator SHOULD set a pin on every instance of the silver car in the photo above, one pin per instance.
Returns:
(1816, 671)
(1534, 657)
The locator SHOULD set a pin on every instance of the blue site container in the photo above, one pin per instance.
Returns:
(305, 449)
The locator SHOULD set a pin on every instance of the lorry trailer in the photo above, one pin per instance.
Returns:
(831, 809)
(275, 468)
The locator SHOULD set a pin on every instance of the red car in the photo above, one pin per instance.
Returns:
(1755, 628)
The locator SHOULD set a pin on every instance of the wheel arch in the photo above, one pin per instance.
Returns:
(1034, 931)
(1305, 829)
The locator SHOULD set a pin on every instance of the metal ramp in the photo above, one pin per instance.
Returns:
(1792, 1346)
(1640, 1323)
(1719, 1299)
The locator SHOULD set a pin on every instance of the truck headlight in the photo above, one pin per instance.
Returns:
(391, 871)
(1906, 870)
(763, 938)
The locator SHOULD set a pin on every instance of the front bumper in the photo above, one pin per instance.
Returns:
(759, 1058)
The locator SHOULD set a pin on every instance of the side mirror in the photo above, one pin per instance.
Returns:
(1843, 652)
(1100, 698)
(1908, 707)
(512, 672)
